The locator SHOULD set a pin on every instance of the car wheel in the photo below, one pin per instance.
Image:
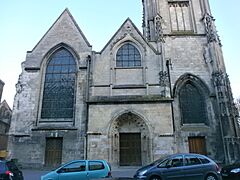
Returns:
(211, 177)
(155, 178)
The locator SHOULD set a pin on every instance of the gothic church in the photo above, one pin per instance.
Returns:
(143, 96)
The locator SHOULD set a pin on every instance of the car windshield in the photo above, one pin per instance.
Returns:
(159, 161)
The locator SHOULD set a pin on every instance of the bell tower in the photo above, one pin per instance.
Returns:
(151, 19)
(173, 17)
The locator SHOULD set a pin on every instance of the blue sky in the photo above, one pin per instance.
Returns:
(24, 22)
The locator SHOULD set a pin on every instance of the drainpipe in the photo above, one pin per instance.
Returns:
(169, 64)
(87, 104)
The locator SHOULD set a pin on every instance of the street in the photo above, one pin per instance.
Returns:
(116, 172)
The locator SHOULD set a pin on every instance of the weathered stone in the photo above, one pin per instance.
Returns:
(142, 102)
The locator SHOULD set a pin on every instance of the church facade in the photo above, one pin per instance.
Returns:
(5, 121)
(143, 96)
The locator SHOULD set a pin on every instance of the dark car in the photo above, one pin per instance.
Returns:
(231, 172)
(180, 167)
(9, 171)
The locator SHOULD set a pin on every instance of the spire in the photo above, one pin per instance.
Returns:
(1, 89)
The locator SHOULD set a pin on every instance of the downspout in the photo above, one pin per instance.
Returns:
(87, 104)
(168, 64)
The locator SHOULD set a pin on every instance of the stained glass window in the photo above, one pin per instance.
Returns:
(128, 56)
(192, 104)
(59, 86)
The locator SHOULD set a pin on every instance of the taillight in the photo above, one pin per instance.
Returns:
(218, 168)
(9, 173)
(109, 174)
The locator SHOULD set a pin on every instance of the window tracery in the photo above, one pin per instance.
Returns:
(128, 56)
(192, 104)
(59, 86)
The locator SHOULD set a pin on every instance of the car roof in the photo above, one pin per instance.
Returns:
(186, 154)
(87, 160)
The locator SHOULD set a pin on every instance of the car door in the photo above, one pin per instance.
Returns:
(74, 171)
(96, 169)
(173, 170)
(193, 168)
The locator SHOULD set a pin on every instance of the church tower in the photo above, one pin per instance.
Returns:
(172, 16)
(189, 42)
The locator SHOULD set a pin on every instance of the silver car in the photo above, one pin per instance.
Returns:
(180, 167)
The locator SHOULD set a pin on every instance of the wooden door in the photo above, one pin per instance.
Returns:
(53, 152)
(130, 149)
(197, 145)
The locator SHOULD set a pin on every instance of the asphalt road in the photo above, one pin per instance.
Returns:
(116, 172)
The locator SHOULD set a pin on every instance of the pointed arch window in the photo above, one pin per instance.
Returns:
(128, 56)
(59, 86)
(192, 104)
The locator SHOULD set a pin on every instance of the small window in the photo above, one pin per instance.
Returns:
(204, 160)
(75, 167)
(192, 160)
(128, 56)
(95, 165)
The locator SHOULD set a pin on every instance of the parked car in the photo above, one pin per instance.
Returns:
(80, 169)
(180, 166)
(231, 172)
(10, 171)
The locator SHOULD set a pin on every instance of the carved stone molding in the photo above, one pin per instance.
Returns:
(218, 78)
(158, 21)
(210, 29)
(163, 79)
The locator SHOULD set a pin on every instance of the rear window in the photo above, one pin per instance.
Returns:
(204, 160)
(95, 165)
(2, 167)
(192, 160)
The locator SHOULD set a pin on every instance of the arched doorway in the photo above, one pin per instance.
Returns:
(130, 140)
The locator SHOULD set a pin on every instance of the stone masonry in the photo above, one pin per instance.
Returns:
(142, 108)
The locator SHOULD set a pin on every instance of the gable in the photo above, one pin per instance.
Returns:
(64, 31)
(5, 112)
(128, 32)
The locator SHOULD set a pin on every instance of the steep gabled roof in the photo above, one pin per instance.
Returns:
(5, 104)
(65, 13)
(2, 82)
(134, 28)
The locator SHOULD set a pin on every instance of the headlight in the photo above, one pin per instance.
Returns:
(141, 173)
(237, 170)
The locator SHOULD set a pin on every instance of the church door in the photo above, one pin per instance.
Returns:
(130, 149)
(197, 145)
(53, 152)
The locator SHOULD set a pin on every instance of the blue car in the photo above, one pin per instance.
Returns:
(180, 167)
(80, 169)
